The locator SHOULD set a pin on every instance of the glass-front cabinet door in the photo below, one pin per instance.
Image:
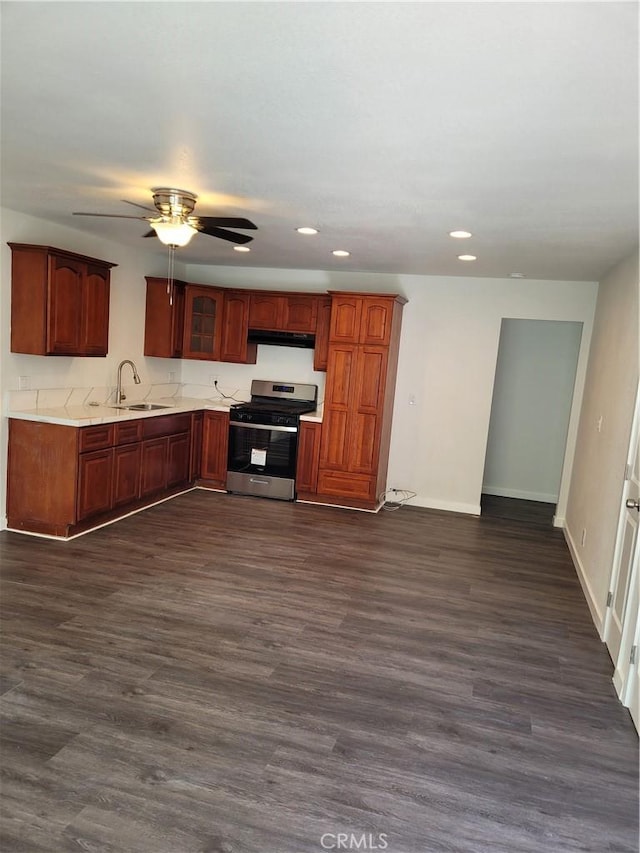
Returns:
(202, 318)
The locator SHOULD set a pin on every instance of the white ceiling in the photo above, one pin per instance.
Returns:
(385, 125)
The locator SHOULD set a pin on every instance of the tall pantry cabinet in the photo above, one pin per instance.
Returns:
(364, 339)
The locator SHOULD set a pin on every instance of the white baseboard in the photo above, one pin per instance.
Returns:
(447, 506)
(503, 492)
(596, 615)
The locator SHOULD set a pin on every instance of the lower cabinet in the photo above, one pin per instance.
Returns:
(126, 474)
(94, 482)
(63, 479)
(215, 443)
(308, 458)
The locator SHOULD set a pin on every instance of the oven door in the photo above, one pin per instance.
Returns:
(262, 460)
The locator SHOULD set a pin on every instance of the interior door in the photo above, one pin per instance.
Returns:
(621, 621)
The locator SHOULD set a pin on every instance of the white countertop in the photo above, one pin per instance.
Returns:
(88, 415)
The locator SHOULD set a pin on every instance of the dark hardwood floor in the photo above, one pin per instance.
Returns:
(232, 675)
(517, 509)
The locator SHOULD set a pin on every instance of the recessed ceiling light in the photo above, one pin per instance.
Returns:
(307, 230)
(460, 235)
(467, 257)
(241, 249)
(516, 275)
(340, 253)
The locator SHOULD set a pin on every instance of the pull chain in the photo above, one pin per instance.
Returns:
(172, 252)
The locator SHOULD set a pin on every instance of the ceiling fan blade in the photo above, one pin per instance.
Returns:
(141, 206)
(151, 233)
(110, 215)
(226, 222)
(231, 236)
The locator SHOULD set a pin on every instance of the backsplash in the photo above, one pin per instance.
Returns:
(47, 398)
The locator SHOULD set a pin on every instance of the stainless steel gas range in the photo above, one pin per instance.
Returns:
(263, 439)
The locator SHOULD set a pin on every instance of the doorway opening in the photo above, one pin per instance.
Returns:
(531, 406)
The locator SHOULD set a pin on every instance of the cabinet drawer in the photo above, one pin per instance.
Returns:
(96, 437)
(128, 432)
(166, 425)
(354, 486)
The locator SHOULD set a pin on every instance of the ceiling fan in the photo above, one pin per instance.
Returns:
(173, 221)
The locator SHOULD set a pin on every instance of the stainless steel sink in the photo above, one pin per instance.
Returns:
(142, 407)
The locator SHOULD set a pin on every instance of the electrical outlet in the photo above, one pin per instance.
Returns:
(171, 376)
(213, 379)
(24, 383)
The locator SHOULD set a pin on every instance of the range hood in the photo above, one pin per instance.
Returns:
(282, 339)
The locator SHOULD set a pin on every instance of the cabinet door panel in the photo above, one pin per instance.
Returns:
(341, 375)
(338, 485)
(126, 474)
(346, 312)
(235, 330)
(215, 441)
(334, 449)
(153, 476)
(195, 468)
(95, 312)
(64, 305)
(308, 456)
(375, 326)
(164, 318)
(321, 351)
(179, 457)
(368, 388)
(266, 311)
(300, 314)
(94, 482)
(202, 309)
(364, 440)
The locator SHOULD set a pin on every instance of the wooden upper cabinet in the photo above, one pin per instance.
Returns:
(235, 329)
(95, 320)
(266, 311)
(164, 318)
(59, 302)
(321, 350)
(202, 323)
(183, 320)
(301, 313)
(283, 312)
(362, 319)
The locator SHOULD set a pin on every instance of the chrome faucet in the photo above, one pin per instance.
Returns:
(120, 395)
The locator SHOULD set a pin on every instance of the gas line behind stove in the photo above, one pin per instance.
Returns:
(263, 438)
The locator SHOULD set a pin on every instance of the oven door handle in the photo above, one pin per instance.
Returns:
(263, 426)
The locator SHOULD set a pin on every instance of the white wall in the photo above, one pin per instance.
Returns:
(532, 397)
(448, 352)
(597, 479)
(447, 359)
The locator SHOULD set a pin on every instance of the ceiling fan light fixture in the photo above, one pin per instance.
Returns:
(173, 233)
(241, 249)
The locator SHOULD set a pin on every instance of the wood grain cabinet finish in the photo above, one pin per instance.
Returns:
(215, 442)
(59, 302)
(235, 329)
(363, 347)
(62, 480)
(308, 458)
(323, 324)
(164, 318)
(202, 323)
(182, 320)
(283, 312)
